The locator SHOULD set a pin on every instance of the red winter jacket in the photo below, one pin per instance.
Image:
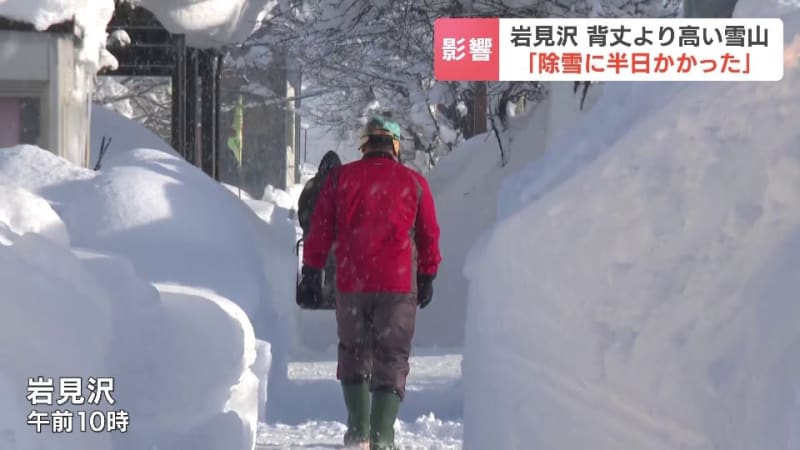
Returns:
(382, 218)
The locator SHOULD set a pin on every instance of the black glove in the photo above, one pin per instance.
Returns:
(424, 289)
(309, 291)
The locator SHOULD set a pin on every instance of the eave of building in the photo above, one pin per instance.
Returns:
(66, 27)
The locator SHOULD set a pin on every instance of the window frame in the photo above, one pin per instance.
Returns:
(32, 89)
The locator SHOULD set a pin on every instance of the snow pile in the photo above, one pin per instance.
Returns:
(153, 208)
(178, 226)
(640, 288)
(210, 23)
(223, 412)
(280, 197)
(13, 408)
(122, 135)
(54, 322)
(184, 359)
(274, 200)
(23, 212)
(46, 175)
(307, 333)
(260, 278)
(210, 239)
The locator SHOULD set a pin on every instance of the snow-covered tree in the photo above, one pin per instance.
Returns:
(359, 57)
(364, 56)
(709, 8)
(144, 99)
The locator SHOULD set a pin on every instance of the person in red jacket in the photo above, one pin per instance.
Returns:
(379, 216)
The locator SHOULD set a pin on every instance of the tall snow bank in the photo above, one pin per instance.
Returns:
(179, 226)
(609, 119)
(143, 180)
(54, 322)
(139, 332)
(210, 23)
(214, 349)
(465, 186)
(179, 367)
(180, 238)
(646, 298)
(153, 207)
(184, 359)
(307, 333)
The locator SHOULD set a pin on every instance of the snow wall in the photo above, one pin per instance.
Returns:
(639, 288)
(149, 272)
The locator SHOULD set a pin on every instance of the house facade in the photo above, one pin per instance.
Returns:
(44, 95)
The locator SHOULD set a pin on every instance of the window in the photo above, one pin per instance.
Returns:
(22, 121)
(23, 113)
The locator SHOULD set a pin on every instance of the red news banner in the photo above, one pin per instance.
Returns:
(495, 49)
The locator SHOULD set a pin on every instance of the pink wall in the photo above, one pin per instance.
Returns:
(9, 122)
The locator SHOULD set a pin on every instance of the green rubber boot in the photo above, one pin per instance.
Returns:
(356, 398)
(384, 413)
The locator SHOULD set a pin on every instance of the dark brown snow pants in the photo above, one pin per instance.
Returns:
(375, 332)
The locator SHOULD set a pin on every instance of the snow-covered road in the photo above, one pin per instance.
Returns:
(311, 414)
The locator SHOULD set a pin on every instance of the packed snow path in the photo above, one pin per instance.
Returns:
(310, 413)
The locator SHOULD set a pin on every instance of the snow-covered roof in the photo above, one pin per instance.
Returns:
(90, 16)
(206, 23)
(42, 14)
(210, 23)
